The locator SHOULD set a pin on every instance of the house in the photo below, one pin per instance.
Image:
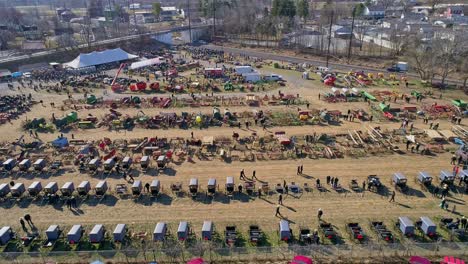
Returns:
(453, 11)
(66, 16)
(33, 45)
(144, 17)
(374, 12)
(168, 13)
(341, 31)
(30, 32)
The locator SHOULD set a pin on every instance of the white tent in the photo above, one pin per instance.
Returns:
(97, 58)
(145, 63)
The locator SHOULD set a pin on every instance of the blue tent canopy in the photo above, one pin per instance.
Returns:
(60, 142)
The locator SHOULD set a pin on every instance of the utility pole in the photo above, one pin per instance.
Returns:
(214, 18)
(189, 22)
(329, 36)
(351, 36)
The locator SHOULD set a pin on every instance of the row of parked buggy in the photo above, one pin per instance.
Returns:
(400, 181)
(91, 166)
(51, 190)
(121, 234)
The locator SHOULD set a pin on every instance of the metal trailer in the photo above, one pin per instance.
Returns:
(97, 234)
(406, 226)
(428, 227)
(4, 190)
(74, 235)
(6, 234)
(51, 188)
(101, 188)
(67, 189)
(155, 187)
(160, 231)
(137, 187)
(183, 231)
(399, 180)
(35, 189)
(127, 163)
(18, 190)
(94, 164)
(9, 164)
(109, 164)
(207, 230)
(284, 230)
(145, 163)
(446, 177)
(24, 165)
(84, 188)
(53, 233)
(120, 232)
(193, 187)
(230, 186)
(211, 188)
(162, 162)
(39, 165)
(424, 178)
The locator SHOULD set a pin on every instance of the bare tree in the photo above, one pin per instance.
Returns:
(421, 57)
(86, 32)
(446, 54)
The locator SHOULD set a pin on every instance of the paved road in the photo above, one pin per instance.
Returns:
(292, 59)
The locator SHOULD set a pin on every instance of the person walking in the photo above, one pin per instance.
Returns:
(363, 186)
(242, 175)
(147, 187)
(392, 199)
(280, 199)
(319, 214)
(453, 160)
(28, 219)
(278, 211)
(253, 175)
(73, 202)
(259, 192)
(463, 222)
(23, 225)
(328, 180)
(302, 169)
(443, 203)
(132, 180)
(298, 170)
(68, 202)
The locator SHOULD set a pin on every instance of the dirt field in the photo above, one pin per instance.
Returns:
(243, 210)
